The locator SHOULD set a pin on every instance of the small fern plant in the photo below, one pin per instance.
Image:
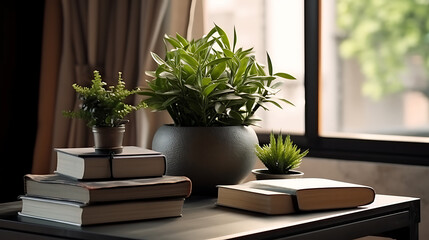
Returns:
(280, 156)
(103, 106)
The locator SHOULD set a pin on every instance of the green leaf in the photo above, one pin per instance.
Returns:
(204, 46)
(167, 75)
(150, 73)
(275, 103)
(217, 61)
(162, 69)
(218, 70)
(188, 69)
(209, 89)
(242, 67)
(212, 31)
(219, 107)
(193, 88)
(169, 93)
(271, 90)
(170, 101)
(229, 97)
(188, 59)
(221, 92)
(261, 71)
(284, 75)
(235, 40)
(173, 41)
(263, 105)
(190, 80)
(249, 105)
(157, 59)
(205, 81)
(244, 53)
(228, 53)
(235, 115)
(270, 65)
(147, 92)
(182, 40)
(263, 78)
(286, 101)
(277, 85)
(223, 37)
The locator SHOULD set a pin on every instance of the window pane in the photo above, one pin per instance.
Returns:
(276, 27)
(375, 63)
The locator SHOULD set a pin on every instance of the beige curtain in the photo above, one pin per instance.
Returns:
(106, 35)
(190, 27)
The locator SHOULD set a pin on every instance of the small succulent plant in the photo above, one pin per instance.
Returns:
(280, 156)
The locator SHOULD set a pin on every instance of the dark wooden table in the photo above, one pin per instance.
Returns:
(390, 216)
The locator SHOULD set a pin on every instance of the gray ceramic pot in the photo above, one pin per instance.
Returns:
(108, 139)
(209, 156)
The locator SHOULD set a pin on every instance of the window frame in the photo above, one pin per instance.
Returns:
(341, 148)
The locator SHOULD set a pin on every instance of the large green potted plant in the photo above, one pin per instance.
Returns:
(104, 109)
(281, 158)
(212, 90)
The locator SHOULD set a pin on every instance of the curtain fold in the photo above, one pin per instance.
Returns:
(51, 48)
(177, 19)
(110, 36)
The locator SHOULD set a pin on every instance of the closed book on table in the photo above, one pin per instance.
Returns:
(133, 162)
(320, 193)
(280, 196)
(246, 197)
(62, 187)
(86, 214)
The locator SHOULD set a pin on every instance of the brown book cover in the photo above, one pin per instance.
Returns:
(57, 186)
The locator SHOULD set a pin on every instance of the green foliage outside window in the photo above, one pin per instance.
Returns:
(381, 35)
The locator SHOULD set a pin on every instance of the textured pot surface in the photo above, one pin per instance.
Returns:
(209, 156)
(263, 173)
(108, 139)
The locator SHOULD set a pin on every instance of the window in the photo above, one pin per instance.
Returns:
(374, 69)
(365, 72)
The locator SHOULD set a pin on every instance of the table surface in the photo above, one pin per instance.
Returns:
(203, 219)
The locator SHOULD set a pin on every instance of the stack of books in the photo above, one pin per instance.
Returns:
(90, 188)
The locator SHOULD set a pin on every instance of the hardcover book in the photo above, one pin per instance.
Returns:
(65, 188)
(246, 197)
(86, 214)
(304, 194)
(133, 162)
